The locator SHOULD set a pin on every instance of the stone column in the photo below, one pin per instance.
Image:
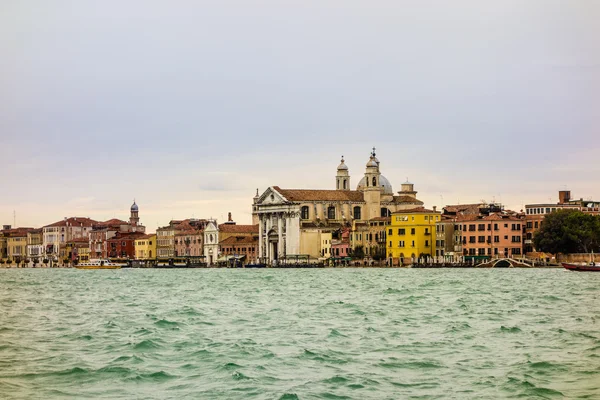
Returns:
(288, 221)
(260, 236)
(279, 234)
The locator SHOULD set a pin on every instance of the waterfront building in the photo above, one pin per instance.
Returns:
(56, 235)
(145, 247)
(35, 245)
(3, 240)
(239, 249)
(165, 237)
(101, 233)
(340, 244)
(411, 236)
(497, 235)
(535, 214)
(122, 245)
(16, 244)
(448, 240)
(76, 250)
(189, 241)
(292, 221)
(326, 239)
(211, 242)
(370, 236)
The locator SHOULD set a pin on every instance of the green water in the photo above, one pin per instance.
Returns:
(299, 334)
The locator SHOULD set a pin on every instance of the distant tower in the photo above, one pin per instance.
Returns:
(371, 187)
(134, 219)
(342, 179)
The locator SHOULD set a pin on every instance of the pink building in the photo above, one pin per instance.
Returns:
(189, 242)
(340, 247)
(496, 235)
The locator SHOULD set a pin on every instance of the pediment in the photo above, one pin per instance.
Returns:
(271, 197)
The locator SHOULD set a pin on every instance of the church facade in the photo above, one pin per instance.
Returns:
(297, 222)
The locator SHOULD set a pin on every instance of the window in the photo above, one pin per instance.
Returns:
(391, 244)
(481, 239)
(344, 184)
(536, 224)
(401, 231)
(471, 239)
(481, 227)
(472, 228)
(331, 212)
(529, 224)
(413, 244)
(304, 212)
(374, 181)
(481, 252)
(427, 243)
(401, 243)
(496, 239)
(357, 212)
(390, 232)
(412, 231)
(427, 231)
(426, 218)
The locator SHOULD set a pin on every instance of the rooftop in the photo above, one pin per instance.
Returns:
(320, 195)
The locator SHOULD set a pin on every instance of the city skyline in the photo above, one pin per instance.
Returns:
(190, 108)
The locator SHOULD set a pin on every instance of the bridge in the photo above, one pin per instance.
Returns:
(505, 263)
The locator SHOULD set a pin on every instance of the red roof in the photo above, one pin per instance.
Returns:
(74, 221)
(17, 232)
(235, 240)
(230, 228)
(320, 195)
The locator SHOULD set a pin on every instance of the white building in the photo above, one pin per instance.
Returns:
(211, 242)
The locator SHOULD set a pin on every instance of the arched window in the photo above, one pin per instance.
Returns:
(367, 182)
(357, 212)
(338, 184)
(331, 212)
(304, 212)
(374, 181)
(344, 184)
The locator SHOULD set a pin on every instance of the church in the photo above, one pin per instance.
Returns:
(299, 222)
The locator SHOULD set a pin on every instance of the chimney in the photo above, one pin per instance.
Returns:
(229, 217)
(564, 196)
(434, 208)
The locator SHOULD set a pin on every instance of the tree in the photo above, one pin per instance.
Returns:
(568, 231)
(379, 253)
(358, 252)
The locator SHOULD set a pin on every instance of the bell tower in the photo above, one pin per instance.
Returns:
(134, 218)
(372, 189)
(342, 179)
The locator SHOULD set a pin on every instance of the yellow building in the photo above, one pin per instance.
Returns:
(16, 244)
(411, 235)
(145, 247)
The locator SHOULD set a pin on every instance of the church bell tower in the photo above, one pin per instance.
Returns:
(342, 179)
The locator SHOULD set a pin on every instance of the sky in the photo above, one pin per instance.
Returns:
(190, 106)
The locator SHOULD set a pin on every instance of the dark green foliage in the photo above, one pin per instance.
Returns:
(568, 231)
(358, 252)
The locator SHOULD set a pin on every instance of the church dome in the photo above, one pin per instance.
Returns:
(383, 182)
(342, 165)
(134, 207)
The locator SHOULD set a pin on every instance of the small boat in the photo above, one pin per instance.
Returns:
(100, 264)
(591, 267)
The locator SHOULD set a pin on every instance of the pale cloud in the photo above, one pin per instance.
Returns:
(470, 100)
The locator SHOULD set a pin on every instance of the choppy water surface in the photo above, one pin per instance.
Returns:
(307, 334)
